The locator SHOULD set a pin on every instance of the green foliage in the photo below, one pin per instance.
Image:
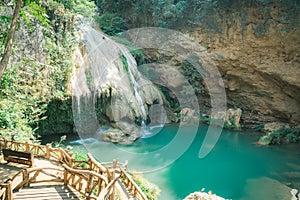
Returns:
(192, 71)
(5, 23)
(135, 52)
(83, 158)
(152, 191)
(126, 67)
(232, 126)
(171, 14)
(38, 12)
(163, 13)
(85, 8)
(280, 136)
(125, 63)
(80, 156)
(60, 143)
(111, 24)
(28, 86)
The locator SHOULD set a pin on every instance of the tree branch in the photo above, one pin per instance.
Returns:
(10, 38)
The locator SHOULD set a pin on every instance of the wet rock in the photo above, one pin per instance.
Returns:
(233, 117)
(265, 140)
(125, 133)
(203, 196)
(188, 115)
(275, 126)
(294, 193)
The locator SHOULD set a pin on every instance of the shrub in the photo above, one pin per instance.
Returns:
(111, 24)
(151, 190)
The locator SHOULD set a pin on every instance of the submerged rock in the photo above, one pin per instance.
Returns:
(266, 188)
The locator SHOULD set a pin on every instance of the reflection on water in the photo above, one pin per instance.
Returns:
(232, 170)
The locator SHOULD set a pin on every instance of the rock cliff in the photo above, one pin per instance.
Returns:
(256, 46)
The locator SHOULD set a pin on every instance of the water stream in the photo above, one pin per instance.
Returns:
(236, 168)
(132, 64)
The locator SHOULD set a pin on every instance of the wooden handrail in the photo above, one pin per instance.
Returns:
(107, 173)
(90, 185)
(81, 171)
(108, 189)
(130, 184)
(5, 191)
(94, 162)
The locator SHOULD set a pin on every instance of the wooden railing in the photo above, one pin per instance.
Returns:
(6, 191)
(131, 186)
(116, 168)
(88, 183)
(44, 151)
(92, 179)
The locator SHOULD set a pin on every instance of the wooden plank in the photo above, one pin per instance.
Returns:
(46, 193)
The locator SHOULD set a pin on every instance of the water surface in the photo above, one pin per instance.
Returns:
(236, 168)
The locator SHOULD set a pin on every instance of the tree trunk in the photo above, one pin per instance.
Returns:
(10, 37)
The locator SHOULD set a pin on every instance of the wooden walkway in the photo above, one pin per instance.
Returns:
(56, 175)
(53, 192)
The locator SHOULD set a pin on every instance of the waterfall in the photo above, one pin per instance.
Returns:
(105, 85)
(132, 64)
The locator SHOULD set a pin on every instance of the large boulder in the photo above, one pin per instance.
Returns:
(124, 133)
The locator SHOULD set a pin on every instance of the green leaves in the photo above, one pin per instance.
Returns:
(28, 86)
(111, 24)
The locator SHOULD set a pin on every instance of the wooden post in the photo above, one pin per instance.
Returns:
(125, 165)
(26, 147)
(5, 144)
(1, 146)
(113, 175)
(88, 186)
(65, 177)
(26, 177)
(9, 191)
(48, 146)
(115, 163)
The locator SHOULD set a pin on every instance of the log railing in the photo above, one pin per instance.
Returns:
(44, 151)
(6, 191)
(131, 185)
(116, 168)
(90, 184)
(95, 180)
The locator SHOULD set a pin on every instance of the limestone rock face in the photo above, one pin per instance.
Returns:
(256, 48)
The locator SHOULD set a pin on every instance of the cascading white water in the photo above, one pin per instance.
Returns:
(132, 64)
(103, 76)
